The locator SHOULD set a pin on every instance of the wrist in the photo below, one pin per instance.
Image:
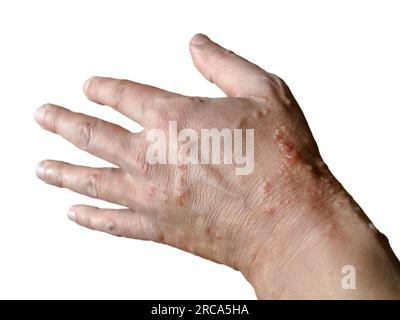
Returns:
(317, 239)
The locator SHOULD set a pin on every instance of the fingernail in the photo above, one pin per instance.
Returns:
(39, 114)
(86, 85)
(199, 39)
(71, 215)
(41, 169)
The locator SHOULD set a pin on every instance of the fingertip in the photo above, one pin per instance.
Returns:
(75, 210)
(87, 84)
(71, 214)
(39, 113)
(41, 169)
(199, 39)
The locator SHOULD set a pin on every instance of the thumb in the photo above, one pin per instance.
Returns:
(235, 75)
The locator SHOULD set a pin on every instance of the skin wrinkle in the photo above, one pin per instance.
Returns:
(58, 177)
(286, 226)
(152, 190)
(84, 133)
(93, 185)
(126, 144)
(181, 188)
(221, 55)
(266, 233)
(330, 230)
(120, 94)
(49, 112)
(266, 191)
(111, 227)
(289, 259)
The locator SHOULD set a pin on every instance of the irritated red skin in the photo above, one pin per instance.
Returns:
(289, 226)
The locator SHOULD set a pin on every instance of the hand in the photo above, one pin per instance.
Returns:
(284, 224)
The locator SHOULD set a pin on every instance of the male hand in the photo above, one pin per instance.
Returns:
(286, 224)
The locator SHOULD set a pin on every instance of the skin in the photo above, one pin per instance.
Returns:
(289, 227)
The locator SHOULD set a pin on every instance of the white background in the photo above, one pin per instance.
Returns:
(340, 58)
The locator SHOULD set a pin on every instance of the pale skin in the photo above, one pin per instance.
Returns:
(289, 227)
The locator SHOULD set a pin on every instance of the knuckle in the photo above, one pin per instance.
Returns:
(55, 173)
(120, 92)
(281, 90)
(146, 229)
(272, 81)
(164, 115)
(221, 55)
(197, 100)
(125, 150)
(87, 221)
(170, 108)
(84, 134)
(125, 145)
(159, 117)
(132, 153)
(178, 108)
(110, 226)
(92, 185)
(140, 164)
(58, 179)
(50, 116)
(277, 82)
